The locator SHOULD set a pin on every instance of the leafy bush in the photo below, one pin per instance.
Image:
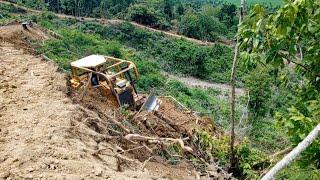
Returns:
(259, 83)
(148, 81)
(75, 45)
(213, 147)
(36, 4)
(143, 14)
(6, 13)
(201, 26)
(251, 161)
(147, 15)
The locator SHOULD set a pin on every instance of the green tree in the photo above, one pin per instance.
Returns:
(228, 14)
(201, 26)
(143, 14)
(168, 8)
(180, 9)
(290, 37)
(259, 83)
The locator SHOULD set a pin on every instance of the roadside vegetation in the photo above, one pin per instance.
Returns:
(204, 20)
(7, 11)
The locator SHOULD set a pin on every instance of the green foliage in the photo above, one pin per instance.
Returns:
(227, 14)
(113, 7)
(298, 123)
(267, 136)
(175, 55)
(173, 153)
(6, 13)
(36, 4)
(253, 2)
(295, 172)
(290, 35)
(212, 147)
(201, 26)
(259, 83)
(151, 80)
(147, 15)
(75, 45)
(143, 14)
(251, 161)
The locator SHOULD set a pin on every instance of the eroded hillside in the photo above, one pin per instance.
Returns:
(47, 134)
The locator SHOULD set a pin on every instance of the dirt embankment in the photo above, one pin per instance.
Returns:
(41, 134)
(45, 134)
(36, 138)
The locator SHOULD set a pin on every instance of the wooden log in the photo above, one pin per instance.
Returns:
(293, 154)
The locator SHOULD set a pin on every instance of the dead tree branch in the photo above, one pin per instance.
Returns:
(293, 154)
(139, 137)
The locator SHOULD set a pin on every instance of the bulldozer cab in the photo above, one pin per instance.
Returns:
(115, 77)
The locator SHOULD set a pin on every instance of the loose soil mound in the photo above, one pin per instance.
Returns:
(20, 37)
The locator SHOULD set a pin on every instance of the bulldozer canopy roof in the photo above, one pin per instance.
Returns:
(89, 61)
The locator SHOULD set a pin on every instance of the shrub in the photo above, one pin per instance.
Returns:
(201, 26)
(250, 161)
(143, 14)
(148, 15)
(177, 55)
(75, 45)
(148, 81)
(259, 83)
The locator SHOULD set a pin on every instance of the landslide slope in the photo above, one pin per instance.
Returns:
(46, 133)
(35, 136)
(39, 136)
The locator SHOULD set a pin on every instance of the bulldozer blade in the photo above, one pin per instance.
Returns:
(152, 103)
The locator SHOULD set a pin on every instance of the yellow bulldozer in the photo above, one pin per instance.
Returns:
(116, 78)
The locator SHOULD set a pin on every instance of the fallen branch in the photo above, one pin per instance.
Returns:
(132, 149)
(293, 154)
(279, 153)
(121, 159)
(139, 137)
(145, 163)
(82, 122)
(113, 120)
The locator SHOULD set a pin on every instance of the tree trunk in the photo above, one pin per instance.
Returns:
(232, 98)
(293, 154)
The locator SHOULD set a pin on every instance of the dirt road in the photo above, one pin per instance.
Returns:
(115, 21)
(194, 82)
